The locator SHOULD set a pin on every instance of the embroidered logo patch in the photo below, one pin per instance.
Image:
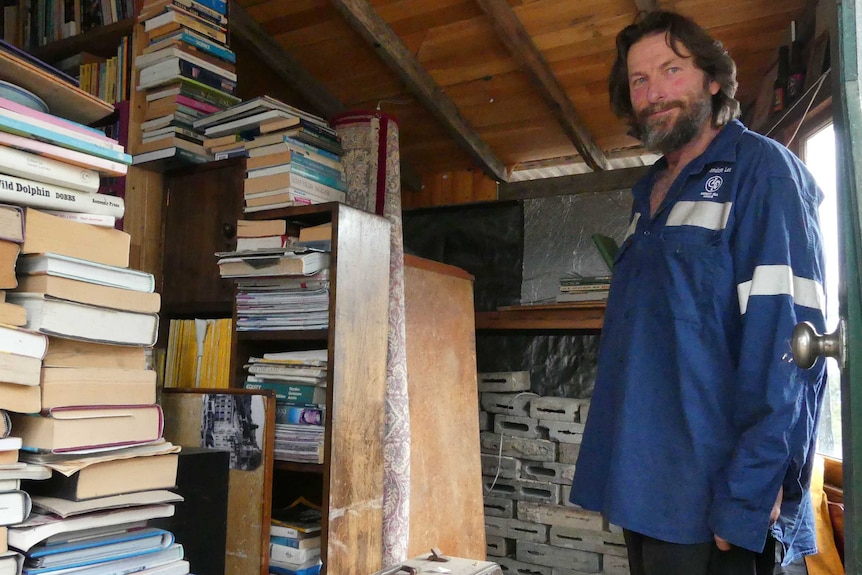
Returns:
(711, 187)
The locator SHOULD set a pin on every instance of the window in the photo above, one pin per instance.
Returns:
(818, 151)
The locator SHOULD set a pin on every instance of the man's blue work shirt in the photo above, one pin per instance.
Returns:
(699, 414)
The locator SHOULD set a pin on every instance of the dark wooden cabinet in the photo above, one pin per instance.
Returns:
(202, 206)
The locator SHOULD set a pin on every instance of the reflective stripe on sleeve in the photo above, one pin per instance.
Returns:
(779, 280)
(709, 215)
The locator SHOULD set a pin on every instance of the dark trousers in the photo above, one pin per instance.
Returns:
(648, 556)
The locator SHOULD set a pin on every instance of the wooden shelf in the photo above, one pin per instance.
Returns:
(102, 41)
(819, 94)
(311, 334)
(586, 316)
(63, 99)
(298, 467)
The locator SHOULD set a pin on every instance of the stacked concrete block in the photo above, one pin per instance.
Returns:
(530, 446)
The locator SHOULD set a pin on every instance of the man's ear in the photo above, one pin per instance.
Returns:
(714, 87)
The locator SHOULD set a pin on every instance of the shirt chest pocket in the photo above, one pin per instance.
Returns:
(693, 263)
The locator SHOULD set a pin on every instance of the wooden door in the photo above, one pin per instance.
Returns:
(202, 205)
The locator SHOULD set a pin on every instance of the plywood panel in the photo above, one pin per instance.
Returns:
(359, 316)
(446, 508)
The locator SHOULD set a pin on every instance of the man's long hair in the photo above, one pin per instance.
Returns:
(709, 55)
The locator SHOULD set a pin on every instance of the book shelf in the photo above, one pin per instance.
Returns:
(101, 41)
(64, 100)
(349, 483)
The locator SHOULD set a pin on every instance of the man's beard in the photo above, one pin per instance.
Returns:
(658, 136)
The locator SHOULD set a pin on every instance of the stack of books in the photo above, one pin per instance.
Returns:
(87, 319)
(294, 539)
(198, 354)
(298, 379)
(253, 235)
(188, 73)
(583, 288)
(15, 504)
(278, 288)
(92, 514)
(294, 156)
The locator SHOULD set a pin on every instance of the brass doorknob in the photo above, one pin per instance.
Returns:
(808, 345)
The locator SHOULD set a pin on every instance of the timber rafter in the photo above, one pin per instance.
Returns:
(512, 34)
(365, 20)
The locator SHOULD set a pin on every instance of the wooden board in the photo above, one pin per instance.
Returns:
(446, 504)
(248, 505)
(64, 100)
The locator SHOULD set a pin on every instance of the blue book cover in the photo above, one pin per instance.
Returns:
(209, 46)
(279, 570)
(311, 164)
(47, 558)
(311, 174)
(28, 130)
(219, 6)
(312, 149)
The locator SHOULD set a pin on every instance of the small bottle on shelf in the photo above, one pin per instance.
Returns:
(779, 88)
(796, 77)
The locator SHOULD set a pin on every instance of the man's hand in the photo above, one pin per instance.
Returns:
(723, 545)
(776, 509)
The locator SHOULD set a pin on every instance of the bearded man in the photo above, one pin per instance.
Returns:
(701, 433)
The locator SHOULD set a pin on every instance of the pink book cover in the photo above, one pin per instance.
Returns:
(202, 106)
(102, 165)
(51, 119)
(96, 408)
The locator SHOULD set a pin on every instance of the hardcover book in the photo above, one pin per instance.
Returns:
(112, 477)
(50, 234)
(20, 370)
(88, 293)
(20, 341)
(86, 271)
(63, 318)
(81, 428)
(14, 507)
(63, 352)
(65, 386)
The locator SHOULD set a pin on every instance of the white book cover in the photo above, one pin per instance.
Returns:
(38, 527)
(292, 555)
(35, 167)
(73, 320)
(53, 197)
(86, 271)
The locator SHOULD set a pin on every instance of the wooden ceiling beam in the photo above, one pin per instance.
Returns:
(607, 181)
(515, 37)
(277, 59)
(365, 20)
